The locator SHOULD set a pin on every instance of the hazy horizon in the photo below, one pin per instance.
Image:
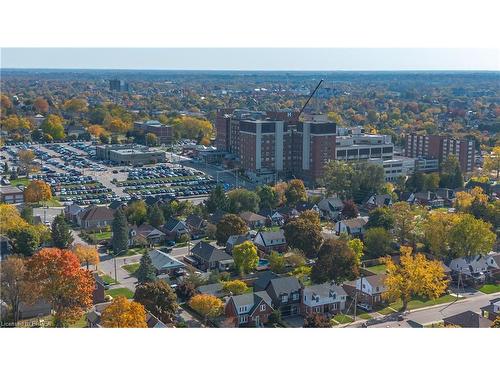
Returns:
(253, 59)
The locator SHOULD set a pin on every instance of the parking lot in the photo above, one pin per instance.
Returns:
(76, 176)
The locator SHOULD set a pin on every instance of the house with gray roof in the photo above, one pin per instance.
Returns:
(249, 309)
(285, 295)
(330, 208)
(467, 319)
(327, 298)
(271, 241)
(209, 257)
(165, 263)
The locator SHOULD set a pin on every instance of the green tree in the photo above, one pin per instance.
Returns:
(368, 179)
(217, 200)
(155, 216)
(136, 212)
(229, 225)
(27, 214)
(357, 246)
(268, 197)
(119, 240)
(304, 233)
(337, 178)
(336, 262)
(277, 262)
(404, 221)
(240, 200)
(245, 257)
(471, 236)
(152, 139)
(377, 242)
(53, 126)
(25, 240)
(146, 272)
(381, 217)
(451, 175)
(159, 299)
(61, 233)
(295, 192)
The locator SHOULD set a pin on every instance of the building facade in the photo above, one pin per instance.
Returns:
(164, 132)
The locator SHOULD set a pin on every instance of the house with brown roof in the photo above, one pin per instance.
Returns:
(253, 220)
(95, 217)
(353, 227)
(368, 289)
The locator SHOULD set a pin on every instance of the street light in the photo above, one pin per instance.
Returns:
(114, 261)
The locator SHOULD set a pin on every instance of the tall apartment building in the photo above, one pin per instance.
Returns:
(440, 147)
(165, 133)
(118, 85)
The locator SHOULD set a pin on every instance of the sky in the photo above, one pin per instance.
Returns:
(328, 59)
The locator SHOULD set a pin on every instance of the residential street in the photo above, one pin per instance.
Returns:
(436, 313)
(124, 278)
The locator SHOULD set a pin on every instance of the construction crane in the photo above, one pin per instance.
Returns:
(308, 99)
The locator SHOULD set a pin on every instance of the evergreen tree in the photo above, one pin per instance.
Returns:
(120, 232)
(216, 200)
(61, 233)
(155, 216)
(146, 272)
(27, 214)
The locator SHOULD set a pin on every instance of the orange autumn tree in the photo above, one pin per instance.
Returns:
(86, 254)
(413, 276)
(122, 313)
(37, 191)
(56, 276)
(207, 305)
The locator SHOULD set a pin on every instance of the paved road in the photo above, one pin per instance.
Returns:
(107, 266)
(47, 214)
(435, 314)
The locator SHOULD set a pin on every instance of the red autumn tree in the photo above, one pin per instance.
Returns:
(56, 276)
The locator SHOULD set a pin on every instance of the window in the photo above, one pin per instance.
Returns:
(284, 298)
(295, 296)
(244, 319)
(262, 307)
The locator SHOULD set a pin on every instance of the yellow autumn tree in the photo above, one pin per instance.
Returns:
(97, 130)
(465, 200)
(122, 313)
(235, 287)
(437, 228)
(10, 218)
(413, 276)
(87, 254)
(207, 305)
(492, 161)
(37, 191)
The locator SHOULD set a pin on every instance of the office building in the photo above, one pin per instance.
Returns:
(165, 133)
(440, 147)
(118, 85)
(130, 155)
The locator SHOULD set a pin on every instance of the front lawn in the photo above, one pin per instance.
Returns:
(20, 181)
(365, 316)
(107, 279)
(417, 303)
(131, 268)
(379, 268)
(102, 236)
(127, 293)
(490, 288)
(343, 319)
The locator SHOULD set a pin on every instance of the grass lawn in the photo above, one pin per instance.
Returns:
(417, 303)
(107, 279)
(127, 293)
(52, 202)
(364, 316)
(131, 268)
(490, 288)
(80, 323)
(379, 268)
(20, 181)
(102, 236)
(343, 319)
(134, 251)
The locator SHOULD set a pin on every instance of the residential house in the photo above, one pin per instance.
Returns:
(426, 198)
(174, 228)
(253, 220)
(196, 226)
(95, 217)
(494, 266)
(491, 311)
(145, 233)
(11, 194)
(377, 201)
(288, 212)
(285, 295)
(330, 208)
(165, 263)
(327, 298)
(369, 289)
(353, 227)
(208, 257)
(35, 310)
(447, 195)
(271, 241)
(472, 269)
(467, 319)
(234, 240)
(249, 310)
(306, 206)
(98, 295)
(115, 205)
(216, 290)
(72, 211)
(260, 280)
(273, 217)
